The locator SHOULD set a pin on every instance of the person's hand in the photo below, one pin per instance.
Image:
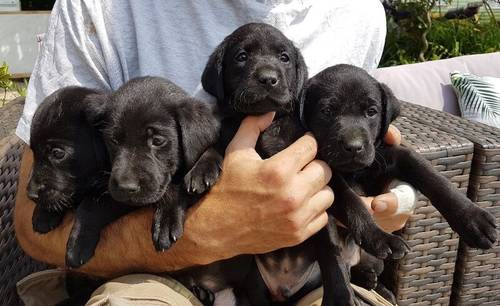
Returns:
(385, 207)
(262, 205)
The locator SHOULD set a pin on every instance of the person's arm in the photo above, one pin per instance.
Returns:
(256, 207)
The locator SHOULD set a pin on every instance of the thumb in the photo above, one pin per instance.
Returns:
(249, 131)
(393, 136)
(385, 204)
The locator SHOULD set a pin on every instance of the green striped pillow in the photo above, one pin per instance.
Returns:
(478, 97)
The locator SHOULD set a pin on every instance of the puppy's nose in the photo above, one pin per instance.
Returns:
(33, 196)
(268, 77)
(34, 190)
(354, 146)
(128, 186)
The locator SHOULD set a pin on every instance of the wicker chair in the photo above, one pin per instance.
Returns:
(424, 277)
(477, 272)
(14, 264)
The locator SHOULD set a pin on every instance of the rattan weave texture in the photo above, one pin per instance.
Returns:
(14, 263)
(425, 275)
(477, 279)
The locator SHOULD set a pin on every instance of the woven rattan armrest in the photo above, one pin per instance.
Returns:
(425, 275)
(477, 274)
(14, 263)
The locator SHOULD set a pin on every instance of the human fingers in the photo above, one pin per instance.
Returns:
(297, 155)
(318, 203)
(368, 203)
(316, 175)
(393, 136)
(249, 131)
(315, 225)
(385, 204)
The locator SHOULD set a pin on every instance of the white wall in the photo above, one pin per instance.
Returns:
(18, 44)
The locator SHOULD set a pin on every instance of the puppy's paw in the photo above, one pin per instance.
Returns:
(78, 256)
(476, 227)
(201, 179)
(79, 250)
(166, 231)
(204, 173)
(205, 296)
(44, 221)
(366, 278)
(383, 245)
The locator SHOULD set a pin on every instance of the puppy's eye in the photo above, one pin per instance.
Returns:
(155, 140)
(158, 141)
(241, 57)
(372, 111)
(327, 111)
(284, 57)
(57, 153)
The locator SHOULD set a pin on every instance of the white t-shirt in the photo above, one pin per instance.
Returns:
(102, 44)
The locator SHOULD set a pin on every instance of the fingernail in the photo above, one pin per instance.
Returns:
(379, 206)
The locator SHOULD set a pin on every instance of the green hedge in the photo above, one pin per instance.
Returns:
(447, 38)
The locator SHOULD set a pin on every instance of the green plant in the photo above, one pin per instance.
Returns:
(452, 38)
(5, 80)
(21, 88)
(421, 34)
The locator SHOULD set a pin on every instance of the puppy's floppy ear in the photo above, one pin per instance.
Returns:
(198, 128)
(92, 152)
(300, 73)
(302, 107)
(212, 78)
(390, 108)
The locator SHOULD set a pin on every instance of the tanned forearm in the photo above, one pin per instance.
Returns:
(125, 245)
(256, 206)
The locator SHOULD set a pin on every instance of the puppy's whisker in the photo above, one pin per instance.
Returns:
(101, 195)
(244, 96)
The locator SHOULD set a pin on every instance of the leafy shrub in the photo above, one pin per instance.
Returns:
(417, 37)
(5, 81)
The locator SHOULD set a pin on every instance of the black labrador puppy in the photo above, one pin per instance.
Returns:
(349, 112)
(158, 138)
(256, 70)
(70, 170)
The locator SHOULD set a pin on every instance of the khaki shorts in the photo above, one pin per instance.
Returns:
(47, 288)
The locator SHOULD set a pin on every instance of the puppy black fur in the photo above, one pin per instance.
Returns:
(256, 70)
(158, 138)
(349, 113)
(69, 170)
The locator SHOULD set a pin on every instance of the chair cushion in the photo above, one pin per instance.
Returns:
(428, 83)
(478, 97)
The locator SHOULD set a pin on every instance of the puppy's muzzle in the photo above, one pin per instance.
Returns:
(124, 184)
(267, 77)
(127, 186)
(353, 147)
(34, 189)
(354, 143)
